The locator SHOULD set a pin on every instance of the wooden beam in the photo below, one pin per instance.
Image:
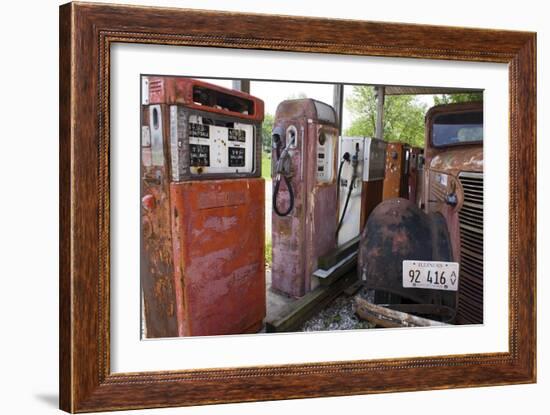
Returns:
(328, 261)
(380, 92)
(353, 288)
(385, 317)
(310, 304)
(347, 267)
(338, 103)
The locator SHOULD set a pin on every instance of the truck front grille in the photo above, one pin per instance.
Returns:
(470, 294)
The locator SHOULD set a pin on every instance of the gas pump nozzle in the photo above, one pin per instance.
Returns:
(282, 168)
(283, 159)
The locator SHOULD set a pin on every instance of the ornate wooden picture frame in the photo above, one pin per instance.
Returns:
(87, 32)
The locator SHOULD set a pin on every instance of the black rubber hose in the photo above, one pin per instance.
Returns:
(338, 179)
(345, 205)
(345, 157)
(290, 193)
(278, 183)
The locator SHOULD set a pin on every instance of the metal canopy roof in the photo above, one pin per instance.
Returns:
(425, 90)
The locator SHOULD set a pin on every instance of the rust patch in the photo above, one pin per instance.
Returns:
(457, 159)
(414, 174)
(398, 230)
(220, 228)
(217, 197)
(395, 181)
(156, 258)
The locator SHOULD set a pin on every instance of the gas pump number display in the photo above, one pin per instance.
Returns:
(218, 149)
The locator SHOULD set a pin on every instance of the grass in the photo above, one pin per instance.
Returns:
(266, 174)
(266, 166)
(268, 253)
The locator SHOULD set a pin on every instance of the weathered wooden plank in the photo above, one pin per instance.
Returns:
(308, 305)
(386, 317)
(328, 261)
(346, 267)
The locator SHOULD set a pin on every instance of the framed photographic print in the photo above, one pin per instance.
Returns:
(247, 213)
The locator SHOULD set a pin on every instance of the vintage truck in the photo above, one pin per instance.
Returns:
(445, 224)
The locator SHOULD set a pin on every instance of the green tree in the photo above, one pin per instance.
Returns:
(267, 127)
(458, 98)
(403, 116)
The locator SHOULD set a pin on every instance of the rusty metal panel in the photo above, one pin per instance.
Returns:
(204, 96)
(398, 230)
(442, 180)
(395, 171)
(431, 151)
(156, 268)
(218, 229)
(413, 176)
(322, 205)
(371, 196)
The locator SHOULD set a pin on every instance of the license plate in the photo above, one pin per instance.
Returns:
(433, 275)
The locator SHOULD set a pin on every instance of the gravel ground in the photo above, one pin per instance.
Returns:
(339, 315)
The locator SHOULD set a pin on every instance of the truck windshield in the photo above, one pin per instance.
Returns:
(457, 128)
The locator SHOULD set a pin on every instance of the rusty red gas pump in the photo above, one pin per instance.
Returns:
(414, 175)
(396, 181)
(202, 268)
(304, 216)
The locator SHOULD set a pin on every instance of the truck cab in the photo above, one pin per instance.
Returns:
(453, 183)
(443, 224)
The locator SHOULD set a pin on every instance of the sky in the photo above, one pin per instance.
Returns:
(273, 92)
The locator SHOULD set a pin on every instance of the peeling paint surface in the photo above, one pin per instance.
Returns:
(219, 226)
(156, 268)
(459, 159)
(395, 184)
(414, 175)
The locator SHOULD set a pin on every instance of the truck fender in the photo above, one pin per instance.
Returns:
(397, 230)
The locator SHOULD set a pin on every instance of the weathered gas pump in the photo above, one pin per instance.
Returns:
(415, 173)
(304, 215)
(202, 267)
(350, 172)
(360, 181)
(396, 182)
